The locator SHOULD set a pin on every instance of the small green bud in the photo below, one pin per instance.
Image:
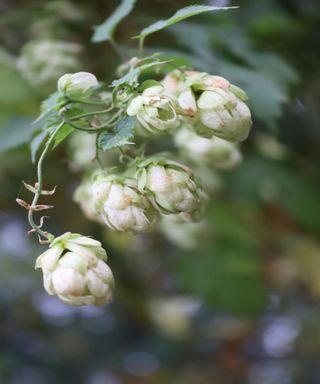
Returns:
(78, 85)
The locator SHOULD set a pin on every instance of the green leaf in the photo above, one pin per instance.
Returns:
(36, 144)
(264, 76)
(147, 84)
(124, 131)
(15, 132)
(50, 102)
(180, 15)
(16, 95)
(47, 108)
(128, 78)
(294, 194)
(226, 273)
(63, 133)
(266, 95)
(240, 45)
(104, 31)
(135, 72)
(226, 276)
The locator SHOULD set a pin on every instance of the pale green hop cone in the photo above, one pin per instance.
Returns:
(74, 270)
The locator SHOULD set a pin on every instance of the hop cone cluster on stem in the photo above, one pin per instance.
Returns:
(206, 116)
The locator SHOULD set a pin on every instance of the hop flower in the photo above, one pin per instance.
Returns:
(224, 115)
(42, 62)
(121, 205)
(73, 269)
(81, 150)
(211, 104)
(216, 152)
(154, 110)
(80, 84)
(84, 197)
(173, 83)
(170, 186)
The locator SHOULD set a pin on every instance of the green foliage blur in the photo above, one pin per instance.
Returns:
(234, 299)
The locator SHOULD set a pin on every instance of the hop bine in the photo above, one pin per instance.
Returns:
(212, 117)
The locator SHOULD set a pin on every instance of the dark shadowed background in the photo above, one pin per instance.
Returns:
(235, 299)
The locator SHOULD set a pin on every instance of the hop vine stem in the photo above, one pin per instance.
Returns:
(92, 113)
(39, 184)
(118, 51)
(108, 124)
(89, 102)
(141, 47)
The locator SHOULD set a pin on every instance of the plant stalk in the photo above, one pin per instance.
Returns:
(39, 186)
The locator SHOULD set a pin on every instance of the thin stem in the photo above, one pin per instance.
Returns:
(117, 50)
(124, 156)
(90, 102)
(98, 159)
(128, 151)
(112, 122)
(89, 130)
(91, 114)
(114, 118)
(102, 127)
(141, 46)
(42, 233)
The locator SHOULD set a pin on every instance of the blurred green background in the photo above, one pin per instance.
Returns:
(234, 299)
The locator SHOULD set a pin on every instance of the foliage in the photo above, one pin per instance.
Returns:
(180, 15)
(104, 31)
(16, 131)
(124, 131)
(265, 76)
(229, 265)
(247, 277)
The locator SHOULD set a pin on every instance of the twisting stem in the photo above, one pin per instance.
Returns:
(108, 124)
(92, 114)
(89, 130)
(39, 185)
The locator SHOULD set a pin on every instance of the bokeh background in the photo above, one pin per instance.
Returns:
(234, 299)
